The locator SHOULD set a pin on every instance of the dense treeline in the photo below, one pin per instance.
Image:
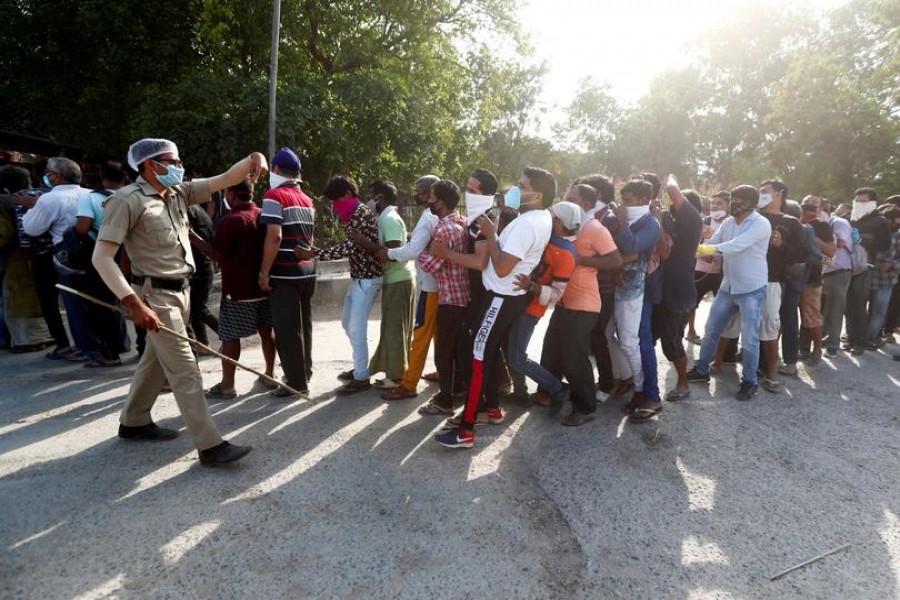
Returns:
(400, 87)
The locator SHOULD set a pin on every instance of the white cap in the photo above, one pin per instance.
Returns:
(149, 148)
(569, 213)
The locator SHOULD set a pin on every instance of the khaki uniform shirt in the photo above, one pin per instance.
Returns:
(153, 228)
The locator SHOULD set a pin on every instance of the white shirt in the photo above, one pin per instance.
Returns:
(418, 241)
(744, 247)
(54, 212)
(525, 238)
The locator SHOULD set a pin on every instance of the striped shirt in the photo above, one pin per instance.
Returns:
(289, 207)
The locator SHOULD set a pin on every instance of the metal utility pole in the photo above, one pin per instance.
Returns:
(273, 72)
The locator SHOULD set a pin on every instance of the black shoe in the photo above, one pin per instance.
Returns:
(223, 454)
(694, 376)
(151, 432)
(558, 399)
(746, 391)
(344, 376)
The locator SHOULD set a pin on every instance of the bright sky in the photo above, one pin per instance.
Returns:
(597, 37)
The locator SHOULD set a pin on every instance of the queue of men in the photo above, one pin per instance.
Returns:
(620, 277)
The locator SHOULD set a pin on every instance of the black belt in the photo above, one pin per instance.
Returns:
(164, 284)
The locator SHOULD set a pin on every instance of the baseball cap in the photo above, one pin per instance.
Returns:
(569, 213)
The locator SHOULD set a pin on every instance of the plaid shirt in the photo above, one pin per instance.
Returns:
(363, 264)
(452, 279)
(889, 258)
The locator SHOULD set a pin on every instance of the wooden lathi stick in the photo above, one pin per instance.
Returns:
(194, 342)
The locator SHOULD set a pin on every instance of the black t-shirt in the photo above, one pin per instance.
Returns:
(822, 232)
(678, 276)
(794, 244)
(874, 233)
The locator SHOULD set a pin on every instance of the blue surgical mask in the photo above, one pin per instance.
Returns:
(174, 176)
(513, 198)
(46, 180)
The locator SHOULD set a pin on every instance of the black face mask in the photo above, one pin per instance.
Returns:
(738, 208)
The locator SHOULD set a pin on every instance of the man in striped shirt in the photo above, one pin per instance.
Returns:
(289, 216)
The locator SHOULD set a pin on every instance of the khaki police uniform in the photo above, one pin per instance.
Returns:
(154, 230)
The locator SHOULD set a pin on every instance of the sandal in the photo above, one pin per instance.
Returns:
(27, 348)
(642, 414)
(434, 376)
(576, 419)
(430, 409)
(621, 387)
(100, 362)
(271, 385)
(217, 393)
(676, 395)
(399, 393)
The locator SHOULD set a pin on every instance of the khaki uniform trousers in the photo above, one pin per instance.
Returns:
(168, 358)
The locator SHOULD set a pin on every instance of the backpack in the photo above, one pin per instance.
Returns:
(859, 259)
(74, 251)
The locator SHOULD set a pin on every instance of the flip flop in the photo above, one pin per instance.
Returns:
(640, 415)
(398, 393)
(266, 383)
(100, 362)
(434, 376)
(216, 393)
(676, 395)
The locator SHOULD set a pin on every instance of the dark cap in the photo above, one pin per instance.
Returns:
(286, 159)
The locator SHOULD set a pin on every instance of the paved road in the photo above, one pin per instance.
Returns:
(350, 498)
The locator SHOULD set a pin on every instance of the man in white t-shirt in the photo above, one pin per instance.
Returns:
(518, 250)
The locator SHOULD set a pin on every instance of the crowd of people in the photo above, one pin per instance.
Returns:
(623, 269)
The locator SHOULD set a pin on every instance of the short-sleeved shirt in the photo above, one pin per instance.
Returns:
(288, 206)
(842, 232)
(91, 206)
(363, 264)
(525, 238)
(557, 265)
(391, 228)
(583, 291)
(153, 228)
(239, 237)
(679, 290)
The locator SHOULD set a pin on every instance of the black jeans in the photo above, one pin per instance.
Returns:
(45, 279)
(857, 309)
(452, 353)
(566, 351)
(105, 324)
(291, 302)
(599, 343)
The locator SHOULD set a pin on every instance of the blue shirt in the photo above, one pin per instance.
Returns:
(638, 238)
(744, 248)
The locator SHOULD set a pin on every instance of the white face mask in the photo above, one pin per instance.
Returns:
(636, 212)
(861, 209)
(717, 215)
(275, 180)
(764, 200)
(371, 204)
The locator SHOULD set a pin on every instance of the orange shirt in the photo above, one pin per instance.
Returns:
(583, 291)
(555, 268)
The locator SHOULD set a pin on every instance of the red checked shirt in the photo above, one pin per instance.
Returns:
(452, 279)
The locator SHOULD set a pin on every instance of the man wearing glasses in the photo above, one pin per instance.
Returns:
(150, 218)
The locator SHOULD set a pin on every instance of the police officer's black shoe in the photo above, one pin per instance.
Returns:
(151, 432)
(223, 454)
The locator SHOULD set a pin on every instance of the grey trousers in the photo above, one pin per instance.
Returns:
(834, 301)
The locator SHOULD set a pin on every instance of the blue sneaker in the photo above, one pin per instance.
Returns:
(456, 438)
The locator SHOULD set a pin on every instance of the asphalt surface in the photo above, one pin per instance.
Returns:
(350, 497)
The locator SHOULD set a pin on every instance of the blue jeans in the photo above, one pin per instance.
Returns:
(77, 315)
(648, 354)
(519, 363)
(879, 299)
(358, 303)
(790, 320)
(752, 305)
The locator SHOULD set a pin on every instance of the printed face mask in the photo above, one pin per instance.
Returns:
(739, 207)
